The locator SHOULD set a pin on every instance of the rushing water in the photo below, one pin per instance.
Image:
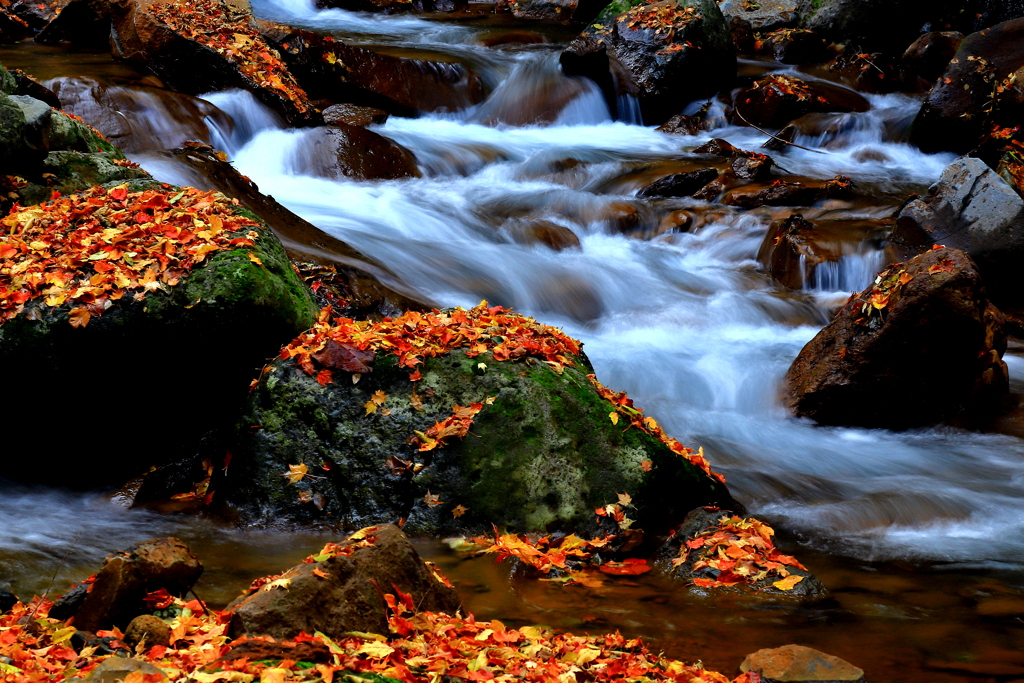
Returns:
(686, 322)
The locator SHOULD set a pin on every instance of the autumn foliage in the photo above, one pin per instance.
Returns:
(88, 250)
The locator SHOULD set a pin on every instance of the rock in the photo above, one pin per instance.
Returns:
(751, 166)
(886, 25)
(923, 336)
(344, 592)
(680, 124)
(966, 100)
(83, 23)
(117, 669)
(343, 151)
(182, 49)
(782, 193)
(697, 565)
(107, 645)
(550, 234)
(778, 143)
(13, 145)
(36, 14)
(505, 37)
(670, 52)
(353, 115)
(930, 54)
(799, 663)
(764, 15)
(12, 27)
(970, 208)
(579, 11)
(116, 596)
(148, 630)
(329, 69)
(259, 650)
(26, 85)
(875, 72)
(742, 35)
(232, 310)
(543, 455)
(679, 184)
(795, 46)
(776, 100)
(7, 600)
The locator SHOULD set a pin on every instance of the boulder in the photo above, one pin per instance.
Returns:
(875, 72)
(764, 15)
(671, 52)
(973, 209)
(36, 14)
(722, 552)
(353, 115)
(682, 124)
(342, 589)
(886, 25)
(545, 450)
(792, 663)
(81, 314)
(538, 231)
(679, 184)
(794, 46)
(920, 345)
(344, 151)
(83, 23)
(775, 100)
(930, 54)
(12, 27)
(26, 85)
(148, 630)
(7, 600)
(982, 85)
(115, 596)
(784, 193)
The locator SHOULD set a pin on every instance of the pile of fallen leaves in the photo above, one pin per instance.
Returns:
(740, 551)
(623, 408)
(351, 344)
(455, 425)
(223, 28)
(789, 86)
(90, 249)
(421, 647)
(662, 18)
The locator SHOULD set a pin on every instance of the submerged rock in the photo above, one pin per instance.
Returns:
(672, 52)
(920, 345)
(344, 151)
(775, 100)
(500, 425)
(679, 184)
(340, 589)
(791, 663)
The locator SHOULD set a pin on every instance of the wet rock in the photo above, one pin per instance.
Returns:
(543, 454)
(681, 124)
(795, 46)
(752, 166)
(116, 595)
(581, 11)
(717, 147)
(776, 100)
(550, 234)
(742, 35)
(973, 209)
(679, 184)
(875, 72)
(930, 54)
(329, 69)
(83, 23)
(116, 669)
(36, 14)
(871, 24)
(798, 663)
(981, 86)
(353, 115)
(148, 630)
(688, 564)
(344, 593)
(782, 193)
(7, 600)
(26, 85)
(670, 52)
(764, 15)
(343, 151)
(12, 27)
(924, 335)
(778, 143)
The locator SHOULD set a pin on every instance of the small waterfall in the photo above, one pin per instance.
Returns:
(245, 117)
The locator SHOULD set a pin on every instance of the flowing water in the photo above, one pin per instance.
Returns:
(918, 533)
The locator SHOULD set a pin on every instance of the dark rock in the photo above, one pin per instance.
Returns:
(934, 340)
(580, 11)
(543, 455)
(763, 15)
(350, 596)
(717, 147)
(36, 14)
(886, 25)
(929, 55)
(343, 151)
(791, 663)
(679, 184)
(701, 520)
(116, 669)
(83, 23)
(778, 143)
(682, 124)
(496, 38)
(68, 604)
(872, 72)
(776, 100)
(107, 645)
(353, 115)
(26, 85)
(329, 69)
(12, 27)
(782, 193)
(973, 209)
(752, 166)
(742, 34)
(116, 596)
(670, 52)
(795, 46)
(7, 600)
(148, 630)
(966, 100)
(260, 650)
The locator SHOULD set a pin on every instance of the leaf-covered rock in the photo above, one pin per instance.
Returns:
(482, 409)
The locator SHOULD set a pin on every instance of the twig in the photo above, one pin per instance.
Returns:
(776, 137)
(54, 577)
(199, 600)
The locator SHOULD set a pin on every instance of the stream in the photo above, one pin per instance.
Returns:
(919, 534)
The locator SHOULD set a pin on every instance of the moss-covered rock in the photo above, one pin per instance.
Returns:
(135, 347)
(8, 86)
(542, 453)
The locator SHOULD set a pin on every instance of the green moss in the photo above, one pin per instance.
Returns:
(8, 86)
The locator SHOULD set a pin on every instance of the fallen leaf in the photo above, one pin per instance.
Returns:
(321, 573)
(614, 417)
(625, 499)
(79, 317)
(788, 582)
(459, 510)
(295, 473)
(646, 465)
(431, 500)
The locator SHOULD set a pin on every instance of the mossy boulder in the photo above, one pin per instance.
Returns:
(541, 453)
(115, 332)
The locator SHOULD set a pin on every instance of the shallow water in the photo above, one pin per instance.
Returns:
(913, 531)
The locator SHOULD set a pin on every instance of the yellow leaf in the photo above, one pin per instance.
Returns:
(625, 499)
(79, 317)
(279, 583)
(459, 510)
(614, 417)
(432, 500)
(370, 406)
(295, 473)
(273, 675)
(231, 676)
(379, 397)
(255, 259)
(787, 583)
(375, 649)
